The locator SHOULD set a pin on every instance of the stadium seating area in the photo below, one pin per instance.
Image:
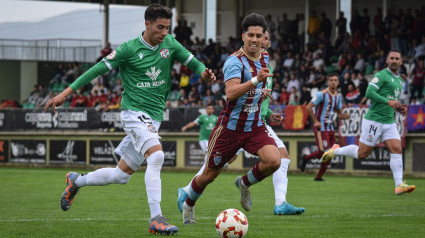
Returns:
(299, 69)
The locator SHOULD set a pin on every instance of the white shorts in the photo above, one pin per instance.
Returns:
(372, 131)
(204, 145)
(142, 134)
(276, 139)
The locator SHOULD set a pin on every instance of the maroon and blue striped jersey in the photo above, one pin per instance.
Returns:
(326, 105)
(243, 114)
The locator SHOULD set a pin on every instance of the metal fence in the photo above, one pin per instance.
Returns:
(65, 50)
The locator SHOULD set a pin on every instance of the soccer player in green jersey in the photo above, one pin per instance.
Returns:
(384, 91)
(145, 70)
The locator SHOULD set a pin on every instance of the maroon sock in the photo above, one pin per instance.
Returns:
(322, 170)
(317, 154)
(195, 192)
(253, 176)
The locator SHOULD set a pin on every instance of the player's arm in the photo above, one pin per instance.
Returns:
(188, 126)
(186, 58)
(372, 94)
(235, 89)
(342, 115)
(108, 63)
(316, 123)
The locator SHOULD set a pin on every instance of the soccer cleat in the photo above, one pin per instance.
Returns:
(319, 179)
(70, 191)
(287, 209)
(181, 197)
(160, 225)
(302, 164)
(404, 188)
(328, 155)
(188, 214)
(246, 201)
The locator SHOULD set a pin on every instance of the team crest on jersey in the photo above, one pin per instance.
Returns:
(375, 80)
(217, 158)
(164, 53)
(392, 80)
(141, 56)
(112, 55)
(325, 143)
(152, 129)
(370, 138)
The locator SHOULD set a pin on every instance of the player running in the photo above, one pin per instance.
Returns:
(240, 124)
(384, 91)
(325, 104)
(145, 68)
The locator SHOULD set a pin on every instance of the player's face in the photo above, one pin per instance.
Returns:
(266, 42)
(253, 39)
(333, 82)
(157, 30)
(394, 61)
(210, 110)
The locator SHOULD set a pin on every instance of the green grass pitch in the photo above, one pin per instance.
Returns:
(343, 206)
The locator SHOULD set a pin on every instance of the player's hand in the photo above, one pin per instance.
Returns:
(55, 102)
(208, 75)
(232, 159)
(317, 124)
(263, 74)
(394, 104)
(183, 129)
(276, 118)
(266, 94)
(402, 109)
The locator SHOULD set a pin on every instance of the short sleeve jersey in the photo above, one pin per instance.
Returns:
(325, 107)
(265, 104)
(145, 73)
(206, 123)
(243, 113)
(389, 86)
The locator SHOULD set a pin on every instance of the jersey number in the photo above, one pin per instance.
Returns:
(145, 119)
(373, 129)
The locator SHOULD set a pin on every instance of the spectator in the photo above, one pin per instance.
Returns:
(346, 81)
(105, 52)
(417, 86)
(341, 24)
(293, 83)
(184, 81)
(78, 100)
(352, 97)
(284, 96)
(208, 98)
(270, 23)
(363, 84)
(326, 25)
(313, 24)
(288, 62)
(364, 26)
(360, 65)
(283, 27)
(305, 95)
(194, 96)
(294, 97)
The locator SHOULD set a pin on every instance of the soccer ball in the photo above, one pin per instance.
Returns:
(231, 223)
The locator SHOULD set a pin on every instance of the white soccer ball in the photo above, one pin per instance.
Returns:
(231, 223)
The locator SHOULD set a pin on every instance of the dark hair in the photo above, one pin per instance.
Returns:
(331, 74)
(155, 11)
(209, 104)
(394, 51)
(254, 19)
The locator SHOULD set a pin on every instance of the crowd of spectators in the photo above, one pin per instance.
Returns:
(299, 70)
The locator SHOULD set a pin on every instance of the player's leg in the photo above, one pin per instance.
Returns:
(104, 176)
(317, 154)
(327, 140)
(184, 191)
(392, 141)
(219, 151)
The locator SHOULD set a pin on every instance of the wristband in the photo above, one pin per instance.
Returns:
(254, 81)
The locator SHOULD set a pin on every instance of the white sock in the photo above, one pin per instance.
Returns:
(153, 182)
(280, 181)
(102, 177)
(349, 150)
(396, 164)
(187, 188)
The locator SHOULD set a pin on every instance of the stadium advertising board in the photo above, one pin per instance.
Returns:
(350, 129)
(307, 147)
(249, 160)
(194, 155)
(4, 151)
(379, 159)
(170, 153)
(418, 155)
(68, 152)
(62, 119)
(28, 151)
(102, 152)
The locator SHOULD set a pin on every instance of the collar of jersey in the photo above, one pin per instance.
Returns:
(146, 43)
(391, 72)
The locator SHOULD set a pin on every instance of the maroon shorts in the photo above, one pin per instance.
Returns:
(327, 139)
(224, 143)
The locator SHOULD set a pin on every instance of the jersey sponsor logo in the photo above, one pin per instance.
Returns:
(164, 53)
(375, 80)
(396, 92)
(141, 56)
(112, 55)
(250, 108)
(153, 74)
(251, 70)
